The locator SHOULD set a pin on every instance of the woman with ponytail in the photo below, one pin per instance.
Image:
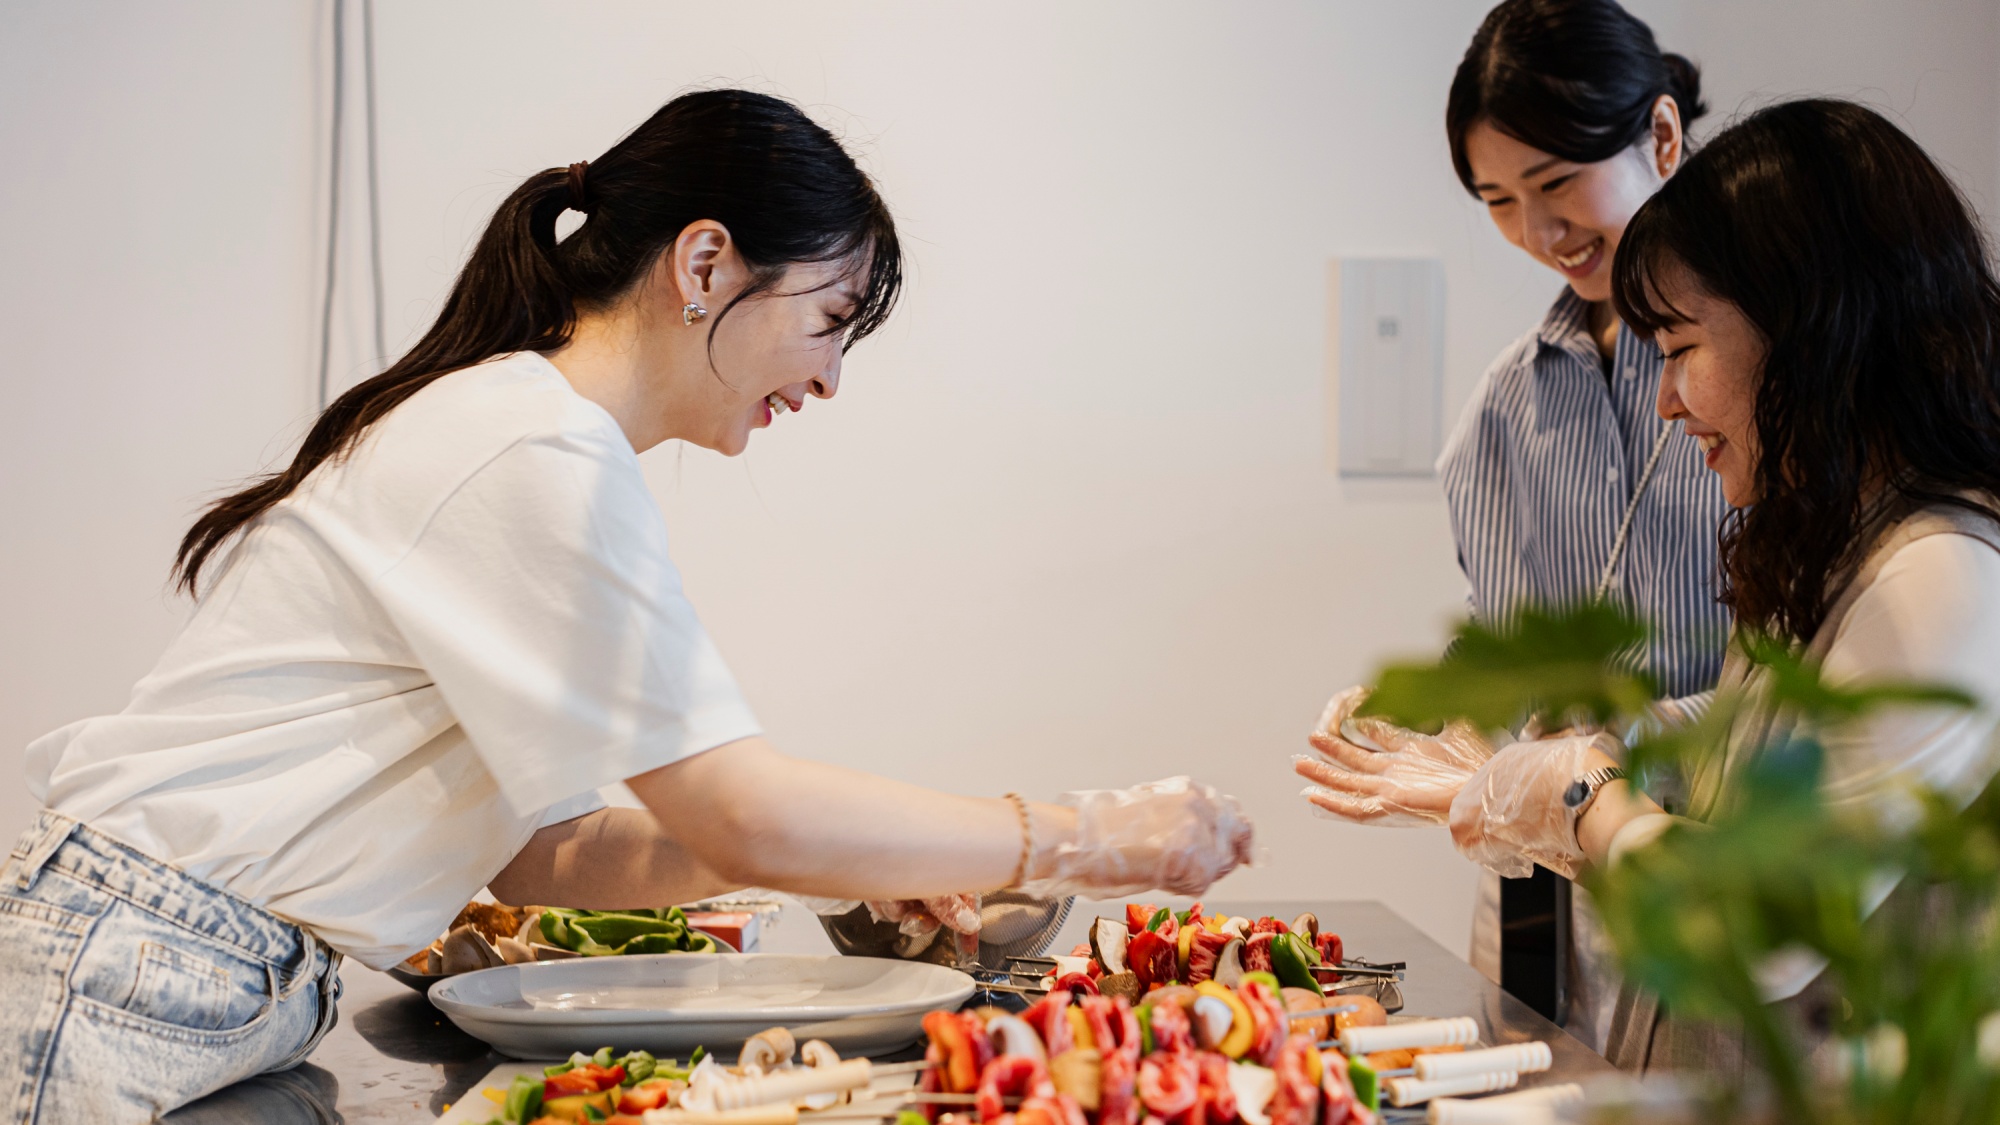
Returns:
(1563, 487)
(419, 650)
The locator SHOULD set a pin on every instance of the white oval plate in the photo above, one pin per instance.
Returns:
(671, 1003)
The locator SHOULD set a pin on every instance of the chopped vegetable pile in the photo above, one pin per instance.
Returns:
(593, 1088)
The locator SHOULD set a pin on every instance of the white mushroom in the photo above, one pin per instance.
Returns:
(766, 1051)
(819, 1053)
(466, 951)
(1254, 1087)
(702, 1083)
(1012, 1036)
(1212, 1018)
(514, 951)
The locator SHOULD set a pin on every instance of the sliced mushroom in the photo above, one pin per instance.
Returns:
(434, 959)
(1108, 939)
(1229, 964)
(1012, 1036)
(544, 952)
(1237, 926)
(1306, 924)
(1211, 1018)
(767, 1050)
(514, 951)
(819, 1053)
(703, 1082)
(1254, 1087)
(465, 951)
(1124, 984)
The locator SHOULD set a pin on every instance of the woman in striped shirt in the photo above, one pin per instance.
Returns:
(1562, 484)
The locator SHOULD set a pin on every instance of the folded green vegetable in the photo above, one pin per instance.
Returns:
(600, 933)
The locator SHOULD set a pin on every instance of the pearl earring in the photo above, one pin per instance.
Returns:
(692, 312)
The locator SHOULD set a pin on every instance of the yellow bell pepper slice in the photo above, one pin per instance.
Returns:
(1080, 1029)
(1241, 1028)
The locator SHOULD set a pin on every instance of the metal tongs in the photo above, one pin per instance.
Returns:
(1383, 979)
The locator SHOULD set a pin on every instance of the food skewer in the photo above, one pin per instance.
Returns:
(868, 1109)
(1316, 1013)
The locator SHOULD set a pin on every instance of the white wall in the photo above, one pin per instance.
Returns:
(1068, 522)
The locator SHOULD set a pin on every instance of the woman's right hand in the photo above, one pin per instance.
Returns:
(1175, 835)
(1374, 772)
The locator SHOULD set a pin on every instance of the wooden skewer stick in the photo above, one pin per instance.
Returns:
(1316, 1013)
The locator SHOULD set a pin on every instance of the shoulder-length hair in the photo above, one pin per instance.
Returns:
(1867, 276)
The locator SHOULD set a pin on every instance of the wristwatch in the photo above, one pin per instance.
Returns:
(1582, 792)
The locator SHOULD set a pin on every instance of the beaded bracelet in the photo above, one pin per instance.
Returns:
(1027, 838)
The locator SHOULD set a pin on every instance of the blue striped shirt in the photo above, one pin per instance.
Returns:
(1538, 474)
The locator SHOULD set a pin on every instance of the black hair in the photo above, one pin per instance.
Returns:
(1574, 78)
(783, 186)
(1867, 276)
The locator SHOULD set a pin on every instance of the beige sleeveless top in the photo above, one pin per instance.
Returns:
(1644, 1037)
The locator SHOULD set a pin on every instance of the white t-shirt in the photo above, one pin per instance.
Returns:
(438, 645)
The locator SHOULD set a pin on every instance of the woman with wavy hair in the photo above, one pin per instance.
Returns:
(1827, 309)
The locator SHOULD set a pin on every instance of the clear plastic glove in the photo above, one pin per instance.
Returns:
(1511, 815)
(914, 916)
(1174, 835)
(1377, 773)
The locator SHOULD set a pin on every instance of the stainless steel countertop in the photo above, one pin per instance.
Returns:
(395, 1059)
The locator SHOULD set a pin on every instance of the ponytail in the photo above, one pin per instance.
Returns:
(1684, 83)
(783, 186)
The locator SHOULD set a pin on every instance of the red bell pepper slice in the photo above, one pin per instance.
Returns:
(1078, 983)
(961, 1065)
(1152, 958)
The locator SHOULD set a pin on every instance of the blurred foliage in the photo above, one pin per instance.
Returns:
(1548, 665)
(1915, 1033)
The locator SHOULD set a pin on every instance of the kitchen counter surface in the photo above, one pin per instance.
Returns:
(394, 1058)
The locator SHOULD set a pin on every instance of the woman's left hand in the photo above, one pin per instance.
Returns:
(1511, 815)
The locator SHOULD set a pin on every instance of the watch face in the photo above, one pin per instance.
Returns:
(1575, 794)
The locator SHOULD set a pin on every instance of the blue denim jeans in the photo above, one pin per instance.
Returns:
(128, 988)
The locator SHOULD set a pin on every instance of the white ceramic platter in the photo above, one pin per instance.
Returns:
(670, 1004)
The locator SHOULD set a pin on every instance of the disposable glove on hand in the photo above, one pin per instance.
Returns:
(1511, 816)
(913, 916)
(1175, 835)
(1375, 772)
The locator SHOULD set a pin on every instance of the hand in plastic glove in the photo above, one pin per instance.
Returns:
(957, 913)
(917, 919)
(1375, 772)
(1174, 835)
(1511, 815)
